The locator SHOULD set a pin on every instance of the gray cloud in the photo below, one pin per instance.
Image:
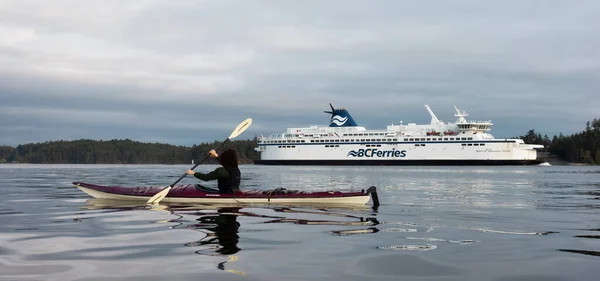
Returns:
(189, 71)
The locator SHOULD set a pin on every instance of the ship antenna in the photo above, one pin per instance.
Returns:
(332, 109)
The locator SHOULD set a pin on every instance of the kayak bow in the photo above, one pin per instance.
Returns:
(193, 193)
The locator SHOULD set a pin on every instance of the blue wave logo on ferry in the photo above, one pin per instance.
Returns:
(340, 118)
(374, 152)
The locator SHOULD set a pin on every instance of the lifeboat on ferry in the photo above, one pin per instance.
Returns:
(449, 133)
(433, 133)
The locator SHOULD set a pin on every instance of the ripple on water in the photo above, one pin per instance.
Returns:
(9, 269)
(405, 265)
(534, 277)
(463, 242)
(583, 252)
(425, 247)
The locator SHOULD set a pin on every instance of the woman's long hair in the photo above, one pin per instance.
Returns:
(229, 159)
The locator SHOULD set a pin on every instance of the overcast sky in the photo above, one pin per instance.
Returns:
(185, 72)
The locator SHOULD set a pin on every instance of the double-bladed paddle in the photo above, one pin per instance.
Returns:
(163, 193)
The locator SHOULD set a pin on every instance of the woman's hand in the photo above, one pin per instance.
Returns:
(213, 153)
(190, 172)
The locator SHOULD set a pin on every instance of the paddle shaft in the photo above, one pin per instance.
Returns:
(208, 156)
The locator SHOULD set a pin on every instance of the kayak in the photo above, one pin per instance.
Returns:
(194, 193)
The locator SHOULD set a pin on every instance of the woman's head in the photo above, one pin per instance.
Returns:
(229, 158)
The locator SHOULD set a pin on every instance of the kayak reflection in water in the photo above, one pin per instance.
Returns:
(224, 232)
(228, 176)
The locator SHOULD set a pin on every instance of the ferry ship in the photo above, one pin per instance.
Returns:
(344, 142)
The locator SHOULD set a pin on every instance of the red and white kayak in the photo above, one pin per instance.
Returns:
(192, 193)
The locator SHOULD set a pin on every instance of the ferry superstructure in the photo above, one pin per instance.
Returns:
(343, 142)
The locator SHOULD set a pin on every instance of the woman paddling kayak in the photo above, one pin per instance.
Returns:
(228, 176)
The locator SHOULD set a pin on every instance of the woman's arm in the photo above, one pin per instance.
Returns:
(217, 173)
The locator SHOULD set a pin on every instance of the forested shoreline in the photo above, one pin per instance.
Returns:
(87, 151)
(583, 147)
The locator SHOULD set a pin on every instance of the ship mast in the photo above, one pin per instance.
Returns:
(461, 114)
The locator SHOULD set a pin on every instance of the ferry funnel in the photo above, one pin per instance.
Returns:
(340, 118)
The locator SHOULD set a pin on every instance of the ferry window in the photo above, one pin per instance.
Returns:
(362, 140)
(463, 139)
(483, 144)
(464, 144)
(379, 145)
(445, 138)
(470, 144)
(451, 138)
(470, 138)
(428, 139)
(422, 144)
(326, 145)
(422, 139)
(476, 144)
(293, 146)
(337, 145)
(411, 139)
(416, 144)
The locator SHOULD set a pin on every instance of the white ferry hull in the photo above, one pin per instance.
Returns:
(399, 163)
(404, 153)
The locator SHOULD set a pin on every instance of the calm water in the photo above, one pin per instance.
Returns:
(435, 223)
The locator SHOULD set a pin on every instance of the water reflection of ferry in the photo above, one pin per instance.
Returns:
(343, 142)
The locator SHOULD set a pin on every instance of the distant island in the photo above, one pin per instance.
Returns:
(582, 148)
(125, 151)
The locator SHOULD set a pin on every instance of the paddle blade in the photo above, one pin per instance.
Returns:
(159, 196)
(241, 128)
